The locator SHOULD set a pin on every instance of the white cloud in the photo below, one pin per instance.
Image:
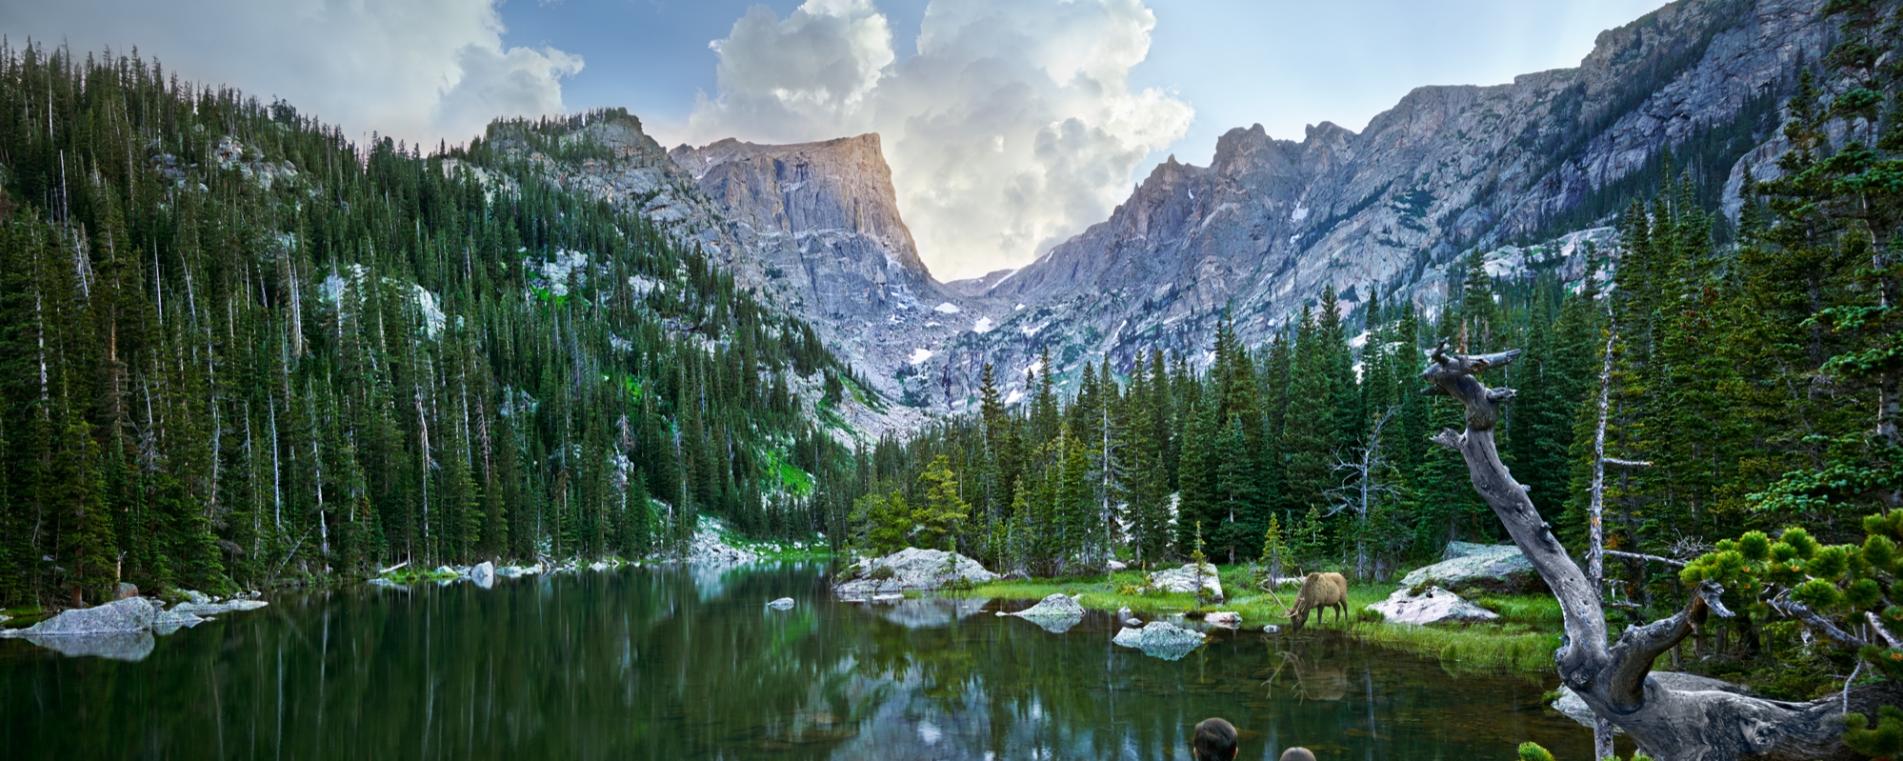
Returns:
(1012, 128)
(420, 70)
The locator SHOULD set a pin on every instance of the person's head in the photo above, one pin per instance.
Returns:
(1298, 753)
(1215, 740)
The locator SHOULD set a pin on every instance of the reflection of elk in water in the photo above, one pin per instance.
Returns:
(1320, 592)
(1313, 681)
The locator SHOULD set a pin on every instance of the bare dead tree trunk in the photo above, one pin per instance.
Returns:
(1613, 678)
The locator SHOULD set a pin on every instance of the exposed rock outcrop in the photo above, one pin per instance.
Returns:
(1491, 567)
(1184, 580)
(910, 569)
(1432, 606)
(1056, 613)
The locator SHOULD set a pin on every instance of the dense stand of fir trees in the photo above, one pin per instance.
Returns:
(209, 380)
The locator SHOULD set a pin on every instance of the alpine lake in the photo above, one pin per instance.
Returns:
(689, 663)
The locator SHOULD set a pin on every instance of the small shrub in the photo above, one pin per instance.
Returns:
(883, 573)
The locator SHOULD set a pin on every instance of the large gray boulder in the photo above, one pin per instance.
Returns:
(1183, 581)
(1488, 567)
(209, 609)
(1433, 606)
(1570, 704)
(132, 614)
(1055, 614)
(910, 569)
(784, 603)
(1161, 639)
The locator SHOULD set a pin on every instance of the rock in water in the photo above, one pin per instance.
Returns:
(1492, 567)
(1433, 606)
(1056, 613)
(784, 603)
(117, 646)
(1183, 581)
(911, 569)
(1161, 639)
(1576, 709)
(484, 574)
(169, 621)
(116, 617)
(125, 590)
(1224, 618)
(207, 610)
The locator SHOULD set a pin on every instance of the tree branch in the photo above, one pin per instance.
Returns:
(1802, 612)
(1645, 557)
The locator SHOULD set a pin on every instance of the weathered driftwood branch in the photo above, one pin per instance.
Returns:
(1661, 559)
(1614, 679)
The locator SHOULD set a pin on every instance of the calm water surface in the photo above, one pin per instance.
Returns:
(668, 664)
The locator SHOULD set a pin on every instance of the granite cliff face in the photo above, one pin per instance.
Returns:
(1269, 223)
(1257, 233)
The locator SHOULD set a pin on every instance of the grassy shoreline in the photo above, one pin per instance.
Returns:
(1522, 642)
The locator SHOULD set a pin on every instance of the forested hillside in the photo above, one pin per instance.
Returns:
(237, 349)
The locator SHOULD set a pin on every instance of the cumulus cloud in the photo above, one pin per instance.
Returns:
(420, 70)
(1012, 127)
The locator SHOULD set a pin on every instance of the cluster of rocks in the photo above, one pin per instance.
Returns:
(708, 548)
(1186, 580)
(1160, 639)
(124, 629)
(910, 569)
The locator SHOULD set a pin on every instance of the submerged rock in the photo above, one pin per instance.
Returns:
(1183, 581)
(1055, 614)
(784, 603)
(1161, 639)
(1493, 567)
(484, 574)
(206, 610)
(1224, 618)
(1434, 606)
(911, 569)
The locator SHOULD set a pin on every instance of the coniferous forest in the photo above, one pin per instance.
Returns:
(238, 350)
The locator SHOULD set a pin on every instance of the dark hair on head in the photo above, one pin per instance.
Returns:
(1298, 753)
(1215, 740)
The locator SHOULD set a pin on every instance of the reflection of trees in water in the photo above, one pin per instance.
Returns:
(644, 664)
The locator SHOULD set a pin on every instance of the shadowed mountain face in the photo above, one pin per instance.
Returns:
(1259, 232)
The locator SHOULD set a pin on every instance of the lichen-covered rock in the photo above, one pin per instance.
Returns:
(1161, 639)
(911, 569)
(1432, 606)
(1570, 704)
(1491, 567)
(1183, 581)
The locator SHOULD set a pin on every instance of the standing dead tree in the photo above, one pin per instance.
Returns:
(1613, 678)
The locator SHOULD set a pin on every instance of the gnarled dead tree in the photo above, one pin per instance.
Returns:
(1613, 678)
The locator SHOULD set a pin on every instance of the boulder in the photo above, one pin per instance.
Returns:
(1133, 622)
(1161, 639)
(784, 603)
(117, 617)
(125, 590)
(1115, 565)
(911, 569)
(484, 574)
(1183, 581)
(193, 595)
(1433, 606)
(1056, 613)
(207, 610)
(1570, 704)
(1490, 567)
(1224, 618)
(169, 621)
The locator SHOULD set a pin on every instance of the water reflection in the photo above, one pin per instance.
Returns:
(676, 664)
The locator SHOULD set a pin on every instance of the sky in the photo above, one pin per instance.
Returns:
(1010, 125)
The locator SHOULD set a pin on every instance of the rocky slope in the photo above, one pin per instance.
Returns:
(1269, 223)
(1259, 232)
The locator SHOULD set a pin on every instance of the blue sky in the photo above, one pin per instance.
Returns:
(1009, 125)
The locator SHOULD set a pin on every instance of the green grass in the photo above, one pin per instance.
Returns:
(1522, 642)
(788, 476)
